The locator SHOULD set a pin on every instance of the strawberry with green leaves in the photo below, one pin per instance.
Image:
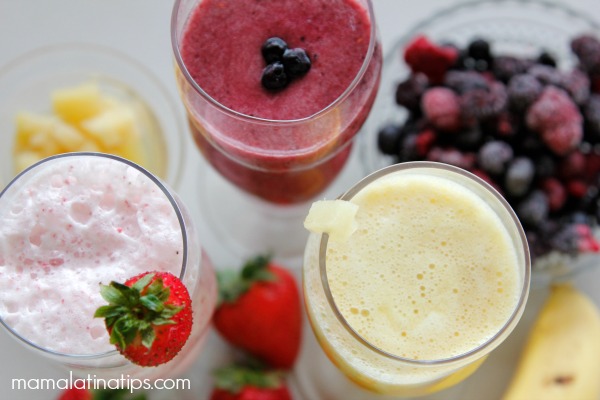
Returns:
(75, 393)
(260, 312)
(246, 383)
(149, 317)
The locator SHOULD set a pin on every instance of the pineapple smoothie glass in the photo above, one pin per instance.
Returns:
(412, 278)
(74, 221)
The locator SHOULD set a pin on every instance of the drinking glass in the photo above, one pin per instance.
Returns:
(368, 370)
(195, 271)
(273, 178)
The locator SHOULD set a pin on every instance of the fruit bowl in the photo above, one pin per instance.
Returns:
(85, 97)
(517, 28)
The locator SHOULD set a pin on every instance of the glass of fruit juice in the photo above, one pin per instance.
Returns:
(74, 221)
(413, 277)
(275, 91)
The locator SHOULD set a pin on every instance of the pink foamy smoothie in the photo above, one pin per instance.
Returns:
(283, 162)
(75, 222)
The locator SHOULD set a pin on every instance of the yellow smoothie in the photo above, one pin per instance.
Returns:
(429, 272)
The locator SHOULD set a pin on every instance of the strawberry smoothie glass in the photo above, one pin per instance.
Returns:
(73, 221)
(271, 152)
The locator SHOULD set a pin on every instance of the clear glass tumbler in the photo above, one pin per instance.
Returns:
(97, 218)
(404, 370)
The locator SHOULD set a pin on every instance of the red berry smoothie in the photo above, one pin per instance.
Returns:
(284, 146)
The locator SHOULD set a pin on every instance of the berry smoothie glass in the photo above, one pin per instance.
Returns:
(281, 147)
(74, 221)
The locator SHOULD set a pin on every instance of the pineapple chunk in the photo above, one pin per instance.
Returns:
(337, 218)
(66, 136)
(111, 127)
(25, 158)
(77, 103)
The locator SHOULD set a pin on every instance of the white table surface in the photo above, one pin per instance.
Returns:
(140, 28)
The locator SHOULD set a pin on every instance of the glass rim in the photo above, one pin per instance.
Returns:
(175, 44)
(154, 180)
(508, 325)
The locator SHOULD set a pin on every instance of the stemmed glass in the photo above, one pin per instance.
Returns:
(103, 202)
(265, 170)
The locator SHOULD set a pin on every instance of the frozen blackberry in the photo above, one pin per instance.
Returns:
(505, 67)
(482, 104)
(546, 75)
(591, 111)
(408, 148)
(464, 81)
(409, 92)
(494, 156)
(577, 84)
(587, 50)
(469, 139)
(519, 176)
(523, 90)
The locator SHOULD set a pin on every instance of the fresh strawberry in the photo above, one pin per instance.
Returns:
(75, 393)
(240, 383)
(149, 318)
(259, 311)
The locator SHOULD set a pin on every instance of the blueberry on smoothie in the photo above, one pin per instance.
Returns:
(274, 76)
(273, 49)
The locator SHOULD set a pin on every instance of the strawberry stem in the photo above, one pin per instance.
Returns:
(233, 284)
(234, 378)
(133, 312)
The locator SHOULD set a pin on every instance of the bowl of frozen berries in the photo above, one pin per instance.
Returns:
(510, 91)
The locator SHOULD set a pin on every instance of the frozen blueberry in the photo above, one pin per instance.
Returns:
(494, 156)
(296, 62)
(273, 49)
(479, 49)
(533, 209)
(274, 76)
(388, 139)
(546, 58)
(519, 176)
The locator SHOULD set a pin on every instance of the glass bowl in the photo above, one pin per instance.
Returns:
(513, 27)
(28, 83)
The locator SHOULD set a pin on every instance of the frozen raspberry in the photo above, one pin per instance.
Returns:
(577, 188)
(464, 81)
(452, 156)
(409, 92)
(505, 67)
(441, 108)
(533, 209)
(587, 50)
(425, 141)
(424, 56)
(556, 193)
(577, 84)
(523, 90)
(482, 104)
(575, 238)
(556, 117)
(564, 138)
(494, 156)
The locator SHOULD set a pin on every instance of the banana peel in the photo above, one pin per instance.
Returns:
(561, 359)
